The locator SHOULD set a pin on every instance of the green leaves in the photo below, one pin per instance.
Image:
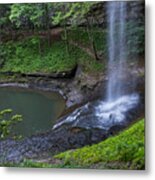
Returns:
(72, 12)
(35, 40)
(26, 13)
(4, 14)
(22, 56)
(7, 120)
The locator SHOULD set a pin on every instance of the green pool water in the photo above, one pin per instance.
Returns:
(39, 109)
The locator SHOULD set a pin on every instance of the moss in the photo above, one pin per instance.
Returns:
(52, 59)
(125, 150)
(35, 164)
(30, 163)
(12, 78)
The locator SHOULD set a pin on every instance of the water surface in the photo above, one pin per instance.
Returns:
(39, 109)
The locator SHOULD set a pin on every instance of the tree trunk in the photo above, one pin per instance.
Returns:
(39, 43)
(0, 34)
(91, 39)
(66, 39)
(47, 21)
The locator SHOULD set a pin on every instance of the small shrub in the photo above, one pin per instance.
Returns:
(7, 120)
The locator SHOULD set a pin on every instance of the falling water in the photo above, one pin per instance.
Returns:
(117, 104)
(116, 12)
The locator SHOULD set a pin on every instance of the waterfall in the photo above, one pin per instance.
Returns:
(116, 12)
(117, 104)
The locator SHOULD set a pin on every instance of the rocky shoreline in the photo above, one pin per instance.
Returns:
(75, 89)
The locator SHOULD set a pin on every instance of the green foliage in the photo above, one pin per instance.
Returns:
(4, 15)
(58, 13)
(71, 11)
(26, 13)
(35, 40)
(33, 164)
(88, 63)
(99, 35)
(19, 57)
(127, 147)
(7, 120)
(22, 60)
(30, 163)
(135, 38)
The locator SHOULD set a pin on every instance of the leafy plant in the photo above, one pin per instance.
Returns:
(7, 121)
